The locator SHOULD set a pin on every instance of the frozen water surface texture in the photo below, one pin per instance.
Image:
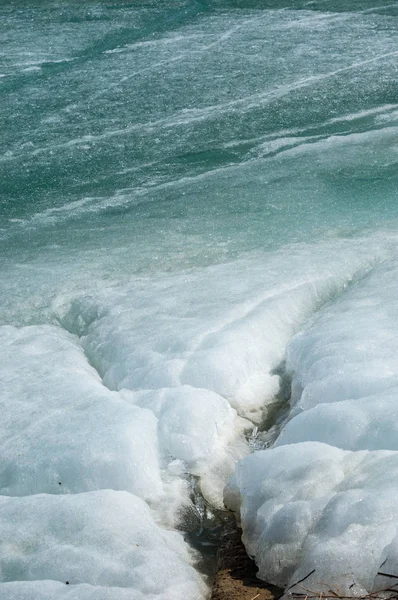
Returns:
(198, 293)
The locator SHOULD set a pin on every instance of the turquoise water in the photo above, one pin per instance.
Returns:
(183, 185)
(194, 128)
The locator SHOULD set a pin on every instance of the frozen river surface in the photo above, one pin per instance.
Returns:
(198, 293)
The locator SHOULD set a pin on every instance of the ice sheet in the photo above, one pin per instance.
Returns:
(322, 500)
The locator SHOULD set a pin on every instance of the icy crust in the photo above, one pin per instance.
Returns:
(345, 369)
(199, 347)
(323, 500)
(136, 388)
(51, 590)
(103, 538)
(201, 432)
(311, 506)
(65, 432)
(224, 328)
(67, 435)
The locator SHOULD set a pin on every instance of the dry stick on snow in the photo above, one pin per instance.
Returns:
(300, 580)
(311, 594)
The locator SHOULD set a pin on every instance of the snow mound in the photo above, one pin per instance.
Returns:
(224, 328)
(141, 386)
(313, 508)
(322, 501)
(53, 437)
(104, 538)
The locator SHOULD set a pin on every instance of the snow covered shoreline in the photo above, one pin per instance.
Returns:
(322, 501)
(199, 207)
(86, 378)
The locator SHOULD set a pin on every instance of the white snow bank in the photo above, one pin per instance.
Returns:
(223, 328)
(48, 590)
(345, 372)
(65, 432)
(145, 387)
(313, 506)
(60, 425)
(201, 431)
(103, 538)
(325, 497)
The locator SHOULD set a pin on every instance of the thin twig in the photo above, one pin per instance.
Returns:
(301, 580)
(388, 575)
